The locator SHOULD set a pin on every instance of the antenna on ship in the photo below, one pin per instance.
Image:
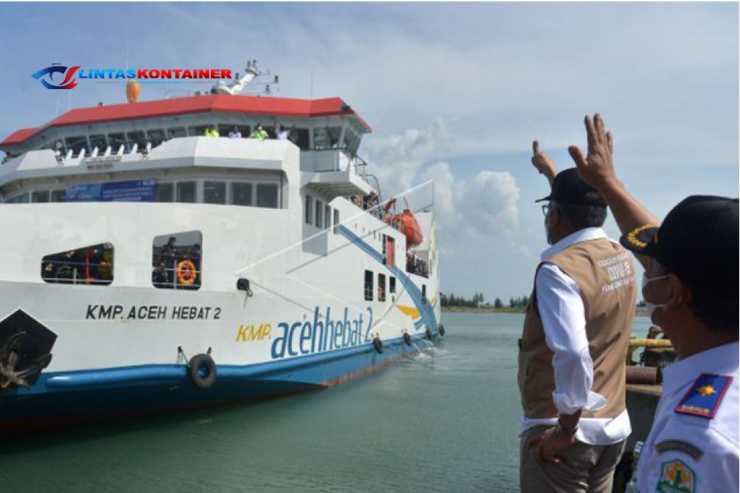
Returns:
(252, 74)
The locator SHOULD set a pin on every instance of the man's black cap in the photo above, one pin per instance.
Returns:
(698, 241)
(569, 188)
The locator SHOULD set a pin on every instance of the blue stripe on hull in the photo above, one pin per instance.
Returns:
(153, 388)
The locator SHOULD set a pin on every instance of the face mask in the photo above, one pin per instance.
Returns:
(651, 306)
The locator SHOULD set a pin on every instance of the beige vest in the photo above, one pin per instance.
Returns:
(605, 276)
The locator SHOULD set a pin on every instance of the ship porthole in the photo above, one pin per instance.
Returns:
(202, 371)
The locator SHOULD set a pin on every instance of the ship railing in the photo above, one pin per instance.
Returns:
(171, 281)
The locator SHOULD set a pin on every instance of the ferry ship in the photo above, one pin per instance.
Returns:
(156, 257)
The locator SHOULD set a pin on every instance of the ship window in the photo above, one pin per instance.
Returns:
(176, 260)
(326, 138)
(91, 265)
(98, 141)
(327, 217)
(186, 192)
(77, 144)
(225, 130)
(392, 285)
(176, 133)
(156, 137)
(423, 294)
(137, 138)
(308, 208)
(267, 195)
(164, 192)
(116, 141)
(214, 192)
(40, 196)
(351, 141)
(58, 195)
(198, 131)
(241, 194)
(300, 137)
(381, 287)
(336, 221)
(368, 285)
(18, 199)
(318, 210)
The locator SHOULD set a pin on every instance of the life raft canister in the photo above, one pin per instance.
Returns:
(186, 272)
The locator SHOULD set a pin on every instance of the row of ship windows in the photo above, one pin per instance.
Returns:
(176, 263)
(369, 277)
(324, 138)
(266, 195)
(319, 214)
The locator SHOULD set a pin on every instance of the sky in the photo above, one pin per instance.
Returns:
(454, 93)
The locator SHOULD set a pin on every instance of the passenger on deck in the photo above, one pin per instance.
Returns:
(159, 275)
(283, 133)
(235, 133)
(211, 132)
(259, 133)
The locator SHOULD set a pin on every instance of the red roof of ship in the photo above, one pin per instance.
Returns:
(285, 107)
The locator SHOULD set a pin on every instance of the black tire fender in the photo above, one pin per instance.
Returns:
(202, 371)
(429, 334)
(441, 330)
(378, 344)
(407, 338)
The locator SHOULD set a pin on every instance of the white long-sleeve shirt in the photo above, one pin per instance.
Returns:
(563, 317)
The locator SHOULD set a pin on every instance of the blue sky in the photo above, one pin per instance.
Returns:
(453, 92)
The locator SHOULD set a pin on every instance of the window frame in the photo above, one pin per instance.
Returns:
(369, 277)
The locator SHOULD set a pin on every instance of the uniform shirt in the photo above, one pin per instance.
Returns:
(688, 453)
(563, 318)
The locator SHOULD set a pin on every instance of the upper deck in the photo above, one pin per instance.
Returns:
(108, 143)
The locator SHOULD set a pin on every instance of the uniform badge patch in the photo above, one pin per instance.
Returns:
(704, 396)
(680, 446)
(676, 477)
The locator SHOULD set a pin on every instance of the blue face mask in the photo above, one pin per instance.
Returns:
(651, 306)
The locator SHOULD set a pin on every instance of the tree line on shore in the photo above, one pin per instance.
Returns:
(479, 301)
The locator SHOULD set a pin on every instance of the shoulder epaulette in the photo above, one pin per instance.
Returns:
(704, 396)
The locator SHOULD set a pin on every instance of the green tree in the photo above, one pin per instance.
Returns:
(498, 304)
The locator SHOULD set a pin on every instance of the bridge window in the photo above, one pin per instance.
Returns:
(116, 141)
(18, 199)
(267, 195)
(326, 138)
(351, 141)
(40, 196)
(198, 131)
(176, 133)
(176, 260)
(368, 285)
(58, 195)
(214, 192)
(77, 144)
(91, 265)
(241, 193)
(224, 130)
(186, 192)
(137, 138)
(164, 192)
(98, 141)
(301, 138)
(156, 137)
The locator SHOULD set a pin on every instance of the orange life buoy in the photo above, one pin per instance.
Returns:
(186, 272)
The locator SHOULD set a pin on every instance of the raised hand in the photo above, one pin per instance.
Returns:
(542, 162)
(597, 168)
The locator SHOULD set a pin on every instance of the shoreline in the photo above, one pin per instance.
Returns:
(639, 312)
